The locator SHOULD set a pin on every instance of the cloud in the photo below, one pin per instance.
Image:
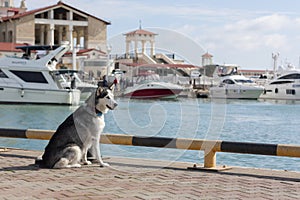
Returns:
(269, 31)
(269, 23)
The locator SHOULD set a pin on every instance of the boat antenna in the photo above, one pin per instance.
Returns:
(140, 24)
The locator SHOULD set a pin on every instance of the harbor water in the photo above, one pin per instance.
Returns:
(228, 120)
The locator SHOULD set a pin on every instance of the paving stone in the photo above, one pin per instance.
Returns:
(139, 179)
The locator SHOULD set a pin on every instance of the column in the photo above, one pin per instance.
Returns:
(152, 48)
(127, 49)
(60, 32)
(136, 48)
(79, 33)
(50, 36)
(42, 35)
(70, 15)
(51, 14)
(70, 36)
(143, 46)
(70, 31)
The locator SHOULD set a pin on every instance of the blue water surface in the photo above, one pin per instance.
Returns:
(229, 120)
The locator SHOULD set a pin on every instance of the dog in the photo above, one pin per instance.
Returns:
(79, 134)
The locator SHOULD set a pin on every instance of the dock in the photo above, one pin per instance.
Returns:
(129, 178)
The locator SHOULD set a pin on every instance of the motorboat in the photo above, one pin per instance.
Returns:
(149, 86)
(32, 80)
(236, 86)
(284, 87)
(70, 79)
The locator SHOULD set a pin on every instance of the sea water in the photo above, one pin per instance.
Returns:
(271, 122)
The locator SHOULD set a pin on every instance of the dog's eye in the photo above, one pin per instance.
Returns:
(108, 97)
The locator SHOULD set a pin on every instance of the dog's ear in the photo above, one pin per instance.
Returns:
(111, 87)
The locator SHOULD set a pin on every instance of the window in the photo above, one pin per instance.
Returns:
(291, 76)
(281, 82)
(31, 77)
(290, 91)
(243, 81)
(2, 74)
(228, 81)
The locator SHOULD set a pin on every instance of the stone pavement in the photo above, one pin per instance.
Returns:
(138, 179)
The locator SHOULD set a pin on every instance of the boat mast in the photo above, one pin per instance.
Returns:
(275, 57)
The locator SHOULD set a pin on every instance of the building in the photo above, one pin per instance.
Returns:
(140, 36)
(52, 24)
(91, 61)
(9, 49)
(7, 8)
(207, 59)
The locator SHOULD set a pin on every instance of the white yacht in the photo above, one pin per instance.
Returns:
(28, 80)
(236, 86)
(71, 79)
(285, 87)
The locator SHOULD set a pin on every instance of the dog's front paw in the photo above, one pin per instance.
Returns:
(87, 162)
(104, 165)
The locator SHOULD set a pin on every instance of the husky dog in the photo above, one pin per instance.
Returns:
(79, 133)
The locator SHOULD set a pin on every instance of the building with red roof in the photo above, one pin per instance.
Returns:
(7, 8)
(207, 59)
(140, 37)
(9, 49)
(53, 24)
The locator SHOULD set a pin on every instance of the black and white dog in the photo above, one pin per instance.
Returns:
(79, 134)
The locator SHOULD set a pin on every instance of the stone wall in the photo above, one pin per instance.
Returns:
(96, 34)
(25, 30)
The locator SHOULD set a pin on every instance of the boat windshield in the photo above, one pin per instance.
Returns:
(291, 76)
(243, 81)
(144, 78)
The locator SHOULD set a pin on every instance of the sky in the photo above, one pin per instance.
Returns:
(239, 32)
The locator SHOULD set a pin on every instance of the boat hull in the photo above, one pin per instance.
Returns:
(282, 92)
(38, 96)
(154, 90)
(249, 93)
(153, 94)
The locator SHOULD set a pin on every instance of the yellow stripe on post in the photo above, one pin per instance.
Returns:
(39, 134)
(196, 144)
(116, 139)
(288, 150)
(212, 145)
(189, 144)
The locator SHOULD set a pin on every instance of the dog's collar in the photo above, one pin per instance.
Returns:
(99, 113)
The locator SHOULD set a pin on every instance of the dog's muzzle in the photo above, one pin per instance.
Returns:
(112, 107)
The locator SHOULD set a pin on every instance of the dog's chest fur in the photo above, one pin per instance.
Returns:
(89, 126)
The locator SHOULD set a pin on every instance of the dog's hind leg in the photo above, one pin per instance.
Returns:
(70, 158)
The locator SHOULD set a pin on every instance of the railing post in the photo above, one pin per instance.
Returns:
(209, 158)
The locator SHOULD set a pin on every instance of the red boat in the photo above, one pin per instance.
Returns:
(148, 86)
